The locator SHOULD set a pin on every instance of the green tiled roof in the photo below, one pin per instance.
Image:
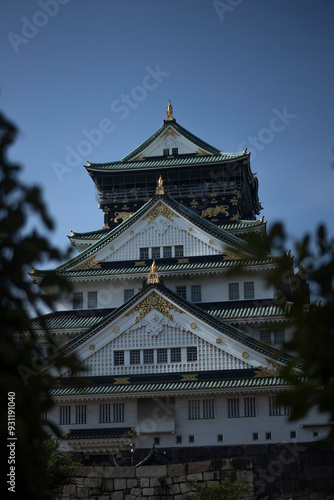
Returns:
(232, 383)
(120, 432)
(241, 224)
(163, 269)
(78, 319)
(183, 131)
(91, 235)
(172, 162)
(247, 312)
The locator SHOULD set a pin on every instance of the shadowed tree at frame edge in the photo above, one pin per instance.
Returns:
(21, 365)
(311, 370)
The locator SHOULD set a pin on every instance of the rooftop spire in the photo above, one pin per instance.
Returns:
(160, 186)
(153, 277)
(169, 115)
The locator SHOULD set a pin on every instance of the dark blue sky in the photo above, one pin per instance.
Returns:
(240, 73)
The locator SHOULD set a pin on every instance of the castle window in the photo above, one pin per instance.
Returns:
(166, 152)
(162, 356)
(208, 408)
(249, 407)
(92, 300)
(279, 337)
(191, 439)
(233, 407)
(191, 353)
(265, 336)
(293, 434)
(233, 291)
(196, 293)
(118, 358)
(108, 416)
(105, 416)
(65, 415)
(78, 300)
(181, 291)
(220, 438)
(178, 439)
(175, 151)
(118, 412)
(255, 436)
(44, 348)
(80, 414)
(128, 293)
(268, 436)
(276, 410)
(156, 253)
(175, 355)
(135, 357)
(249, 289)
(157, 440)
(167, 252)
(179, 251)
(148, 356)
(143, 253)
(194, 409)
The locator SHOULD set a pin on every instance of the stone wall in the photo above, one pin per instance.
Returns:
(156, 482)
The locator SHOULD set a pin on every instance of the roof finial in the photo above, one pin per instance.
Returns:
(153, 277)
(160, 186)
(169, 116)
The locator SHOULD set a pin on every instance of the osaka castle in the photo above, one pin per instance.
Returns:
(177, 344)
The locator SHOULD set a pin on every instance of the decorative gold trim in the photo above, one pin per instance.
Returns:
(218, 341)
(210, 241)
(131, 232)
(139, 263)
(264, 371)
(92, 347)
(189, 377)
(168, 132)
(169, 112)
(183, 261)
(160, 186)
(115, 329)
(153, 301)
(88, 264)
(193, 325)
(213, 211)
(153, 277)
(122, 215)
(121, 380)
(190, 228)
(160, 209)
(245, 355)
(112, 248)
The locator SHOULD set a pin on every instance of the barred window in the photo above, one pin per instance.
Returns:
(128, 293)
(175, 151)
(178, 439)
(276, 409)
(255, 436)
(118, 358)
(208, 408)
(181, 291)
(249, 407)
(194, 409)
(179, 251)
(162, 356)
(118, 410)
(135, 357)
(196, 293)
(92, 300)
(175, 355)
(156, 253)
(279, 337)
(233, 291)
(167, 252)
(268, 435)
(166, 152)
(143, 253)
(105, 415)
(65, 415)
(191, 353)
(78, 300)
(80, 414)
(148, 356)
(233, 407)
(249, 289)
(265, 336)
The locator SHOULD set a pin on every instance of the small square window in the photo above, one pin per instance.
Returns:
(175, 355)
(279, 337)
(249, 289)
(143, 253)
(135, 357)
(255, 436)
(162, 356)
(233, 291)
(293, 434)
(191, 439)
(156, 253)
(191, 353)
(220, 438)
(148, 356)
(181, 291)
(179, 251)
(175, 151)
(196, 293)
(78, 300)
(118, 358)
(268, 435)
(178, 439)
(166, 152)
(167, 252)
(128, 293)
(92, 300)
(156, 440)
(315, 434)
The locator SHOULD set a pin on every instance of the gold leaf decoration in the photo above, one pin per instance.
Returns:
(121, 380)
(189, 377)
(160, 209)
(88, 264)
(265, 371)
(213, 211)
(153, 301)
